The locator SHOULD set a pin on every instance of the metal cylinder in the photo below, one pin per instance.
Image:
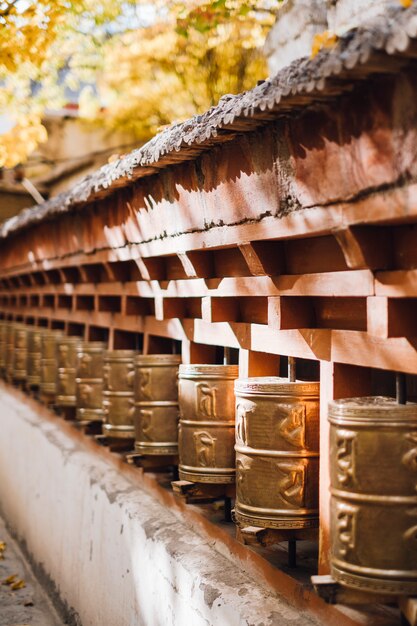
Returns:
(3, 346)
(49, 339)
(277, 453)
(118, 398)
(373, 473)
(207, 423)
(9, 361)
(20, 353)
(33, 378)
(89, 381)
(67, 350)
(156, 404)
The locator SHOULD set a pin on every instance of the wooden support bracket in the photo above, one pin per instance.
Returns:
(155, 463)
(89, 427)
(333, 592)
(256, 536)
(365, 247)
(114, 444)
(263, 258)
(219, 309)
(169, 308)
(205, 493)
(286, 312)
(408, 608)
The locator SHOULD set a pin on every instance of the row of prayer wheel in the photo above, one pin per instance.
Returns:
(262, 433)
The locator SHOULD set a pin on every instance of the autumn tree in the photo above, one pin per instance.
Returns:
(145, 64)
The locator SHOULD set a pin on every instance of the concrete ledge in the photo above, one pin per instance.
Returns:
(116, 554)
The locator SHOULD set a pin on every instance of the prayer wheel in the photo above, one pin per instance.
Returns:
(89, 381)
(373, 472)
(277, 458)
(20, 353)
(3, 346)
(118, 394)
(207, 423)
(33, 378)
(49, 339)
(67, 350)
(156, 404)
(9, 364)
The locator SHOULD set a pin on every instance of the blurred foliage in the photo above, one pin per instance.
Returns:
(136, 65)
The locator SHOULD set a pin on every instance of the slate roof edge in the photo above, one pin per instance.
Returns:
(389, 33)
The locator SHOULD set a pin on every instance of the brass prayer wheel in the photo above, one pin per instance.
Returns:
(89, 381)
(3, 345)
(277, 453)
(67, 351)
(33, 378)
(207, 423)
(373, 472)
(156, 404)
(20, 352)
(49, 339)
(118, 398)
(9, 364)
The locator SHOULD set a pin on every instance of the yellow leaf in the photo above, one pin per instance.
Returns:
(406, 3)
(9, 580)
(326, 39)
(19, 584)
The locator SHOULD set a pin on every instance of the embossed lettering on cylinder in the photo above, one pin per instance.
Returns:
(156, 404)
(207, 423)
(118, 401)
(373, 470)
(89, 381)
(277, 426)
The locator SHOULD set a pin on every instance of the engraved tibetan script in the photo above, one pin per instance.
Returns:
(346, 516)
(345, 461)
(145, 384)
(206, 400)
(205, 447)
(106, 376)
(242, 485)
(84, 364)
(63, 355)
(243, 407)
(146, 423)
(410, 458)
(291, 485)
(292, 426)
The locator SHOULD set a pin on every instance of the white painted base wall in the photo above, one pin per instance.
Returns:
(116, 556)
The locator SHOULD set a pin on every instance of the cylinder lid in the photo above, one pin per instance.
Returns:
(276, 385)
(208, 371)
(51, 334)
(113, 355)
(157, 359)
(376, 408)
(70, 340)
(92, 346)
